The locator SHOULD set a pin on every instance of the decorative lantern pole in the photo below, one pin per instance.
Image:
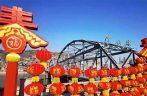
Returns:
(115, 85)
(134, 83)
(75, 88)
(57, 87)
(145, 75)
(91, 88)
(104, 83)
(14, 36)
(125, 82)
(139, 77)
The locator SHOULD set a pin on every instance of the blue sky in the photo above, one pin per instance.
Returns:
(61, 21)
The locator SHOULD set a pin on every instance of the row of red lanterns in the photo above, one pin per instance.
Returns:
(35, 88)
(104, 84)
(57, 71)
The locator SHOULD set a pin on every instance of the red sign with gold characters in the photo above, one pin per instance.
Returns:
(14, 43)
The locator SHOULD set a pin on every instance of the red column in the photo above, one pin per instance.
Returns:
(11, 79)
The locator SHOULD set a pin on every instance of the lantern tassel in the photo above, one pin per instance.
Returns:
(56, 80)
(125, 77)
(91, 80)
(90, 94)
(105, 93)
(44, 64)
(126, 88)
(114, 78)
(74, 80)
(104, 79)
(133, 77)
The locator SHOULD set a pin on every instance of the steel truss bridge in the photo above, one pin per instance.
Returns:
(85, 54)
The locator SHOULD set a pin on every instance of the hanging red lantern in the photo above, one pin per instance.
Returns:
(57, 71)
(126, 94)
(90, 88)
(145, 76)
(74, 71)
(125, 71)
(75, 88)
(91, 73)
(140, 79)
(35, 69)
(114, 94)
(135, 93)
(103, 72)
(125, 83)
(43, 55)
(133, 70)
(115, 72)
(145, 67)
(142, 90)
(57, 88)
(115, 86)
(140, 60)
(104, 85)
(34, 89)
(140, 69)
(134, 83)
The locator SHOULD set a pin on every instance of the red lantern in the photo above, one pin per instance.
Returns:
(140, 69)
(103, 72)
(115, 72)
(140, 79)
(104, 85)
(145, 76)
(57, 88)
(114, 94)
(57, 71)
(91, 72)
(126, 94)
(140, 60)
(134, 83)
(34, 89)
(145, 67)
(125, 71)
(35, 69)
(43, 55)
(74, 71)
(142, 90)
(90, 88)
(75, 88)
(133, 70)
(125, 83)
(115, 86)
(135, 93)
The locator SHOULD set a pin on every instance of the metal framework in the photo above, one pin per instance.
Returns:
(85, 53)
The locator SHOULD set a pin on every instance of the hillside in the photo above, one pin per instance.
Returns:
(27, 57)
